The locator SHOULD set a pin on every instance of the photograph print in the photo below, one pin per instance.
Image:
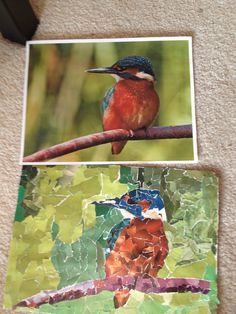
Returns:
(114, 100)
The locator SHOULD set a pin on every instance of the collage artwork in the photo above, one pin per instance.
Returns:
(83, 243)
(100, 225)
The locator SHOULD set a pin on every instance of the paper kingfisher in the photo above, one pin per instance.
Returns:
(137, 246)
(132, 103)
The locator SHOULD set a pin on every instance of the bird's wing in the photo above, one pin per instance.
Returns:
(107, 98)
(115, 232)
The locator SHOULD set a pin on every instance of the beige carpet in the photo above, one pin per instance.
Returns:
(211, 23)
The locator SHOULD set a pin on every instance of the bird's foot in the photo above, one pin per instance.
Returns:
(131, 133)
(147, 276)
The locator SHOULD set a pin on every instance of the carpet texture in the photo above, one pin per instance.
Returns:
(212, 25)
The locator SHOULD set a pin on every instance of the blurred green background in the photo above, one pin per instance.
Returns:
(63, 101)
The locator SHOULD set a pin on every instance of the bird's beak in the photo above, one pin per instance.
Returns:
(107, 70)
(111, 202)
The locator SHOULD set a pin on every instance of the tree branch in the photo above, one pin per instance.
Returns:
(165, 132)
(93, 287)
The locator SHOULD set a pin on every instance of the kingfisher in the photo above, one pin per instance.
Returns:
(132, 103)
(137, 246)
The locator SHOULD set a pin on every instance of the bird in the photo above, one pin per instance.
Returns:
(137, 246)
(132, 103)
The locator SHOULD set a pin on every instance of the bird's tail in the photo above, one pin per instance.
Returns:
(121, 297)
(117, 147)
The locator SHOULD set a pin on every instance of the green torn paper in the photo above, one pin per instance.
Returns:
(60, 237)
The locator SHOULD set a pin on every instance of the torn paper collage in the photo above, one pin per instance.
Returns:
(110, 239)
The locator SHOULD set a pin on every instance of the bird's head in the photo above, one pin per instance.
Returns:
(140, 203)
(129, 68)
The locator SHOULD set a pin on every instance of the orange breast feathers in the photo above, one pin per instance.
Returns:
(140, 249)
(134, 105)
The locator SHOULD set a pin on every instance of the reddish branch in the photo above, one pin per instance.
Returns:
(93, 287)
(165, 132)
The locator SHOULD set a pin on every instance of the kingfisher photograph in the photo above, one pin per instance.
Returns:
(114, 239)
(109, 101)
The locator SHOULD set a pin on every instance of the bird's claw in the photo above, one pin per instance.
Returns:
(131, 133)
